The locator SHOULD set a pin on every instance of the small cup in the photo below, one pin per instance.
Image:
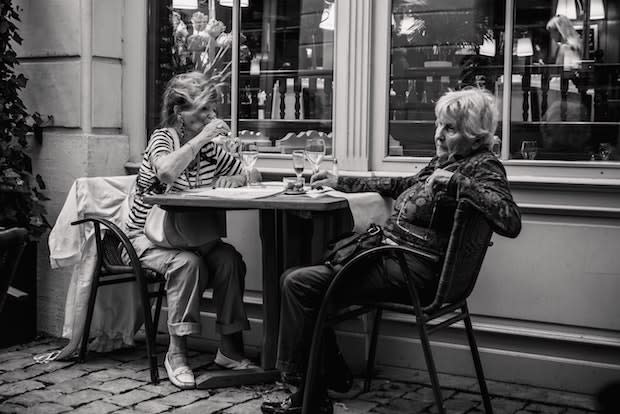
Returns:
(293, 184)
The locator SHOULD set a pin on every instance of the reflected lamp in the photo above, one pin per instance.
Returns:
(567, 8)
(327, 18)
(524, 47)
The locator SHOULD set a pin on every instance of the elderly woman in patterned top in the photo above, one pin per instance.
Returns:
(463, 168)
(188, 120)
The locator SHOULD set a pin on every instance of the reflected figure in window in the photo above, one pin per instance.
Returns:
(565, 135)
(463, 168)
(569, 46)
(182, 154)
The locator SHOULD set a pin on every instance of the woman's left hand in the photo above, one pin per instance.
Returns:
(439, 179)
(229, 181)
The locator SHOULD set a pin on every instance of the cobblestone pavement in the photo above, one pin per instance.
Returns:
(118, 382)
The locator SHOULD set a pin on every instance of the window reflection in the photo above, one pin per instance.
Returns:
(436, 46)
(565, 94)
(285, 64)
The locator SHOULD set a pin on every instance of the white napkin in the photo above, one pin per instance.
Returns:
(366, 208)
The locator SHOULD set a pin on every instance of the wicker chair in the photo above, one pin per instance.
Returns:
(12, 243)
(111, 269)
(469, 240)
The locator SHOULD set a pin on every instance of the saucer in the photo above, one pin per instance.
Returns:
(291, 192)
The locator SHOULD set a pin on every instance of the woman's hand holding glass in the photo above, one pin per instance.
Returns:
(323, 179)
(213, 129)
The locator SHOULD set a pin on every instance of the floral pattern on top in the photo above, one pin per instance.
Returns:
(424, 220)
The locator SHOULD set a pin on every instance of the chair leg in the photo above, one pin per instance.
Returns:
(370, 364)
(89, 317)
(314, 365)
(486, 400)
(158, 303)
(430, 364)
(148, 327)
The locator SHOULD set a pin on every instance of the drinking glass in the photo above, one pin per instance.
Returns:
(529, 150)
(248, 156)
(298, 163)
(604, 150)
(315, 151)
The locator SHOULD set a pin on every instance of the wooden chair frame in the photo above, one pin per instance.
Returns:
(469, 240)
(110, 269)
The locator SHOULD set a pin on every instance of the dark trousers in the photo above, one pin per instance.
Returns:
(303, 290)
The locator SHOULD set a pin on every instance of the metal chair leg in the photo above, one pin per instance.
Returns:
(430, 365)
(158, 304)
(486, 400)
(89, 316)
(148, 327)
(370, 364)
(312, 372)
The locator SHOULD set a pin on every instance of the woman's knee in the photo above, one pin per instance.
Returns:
(226, 260)
(186, 263)
(292, 280)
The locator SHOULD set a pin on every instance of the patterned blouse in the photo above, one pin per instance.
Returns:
(423, 220)
(214, 162)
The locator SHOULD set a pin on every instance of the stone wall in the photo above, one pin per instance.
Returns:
(72, 54)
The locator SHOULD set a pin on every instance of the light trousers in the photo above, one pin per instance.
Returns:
(188, 274)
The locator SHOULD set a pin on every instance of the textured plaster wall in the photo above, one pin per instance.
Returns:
(72, 54)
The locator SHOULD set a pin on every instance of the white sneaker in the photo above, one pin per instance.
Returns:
(229, 363)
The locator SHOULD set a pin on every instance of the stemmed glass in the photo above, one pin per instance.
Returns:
(315, 151)
(248, 156)
(604, 151)
(298, 163)
(529, 150)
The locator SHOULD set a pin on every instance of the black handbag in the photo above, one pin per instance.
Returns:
(349, 245)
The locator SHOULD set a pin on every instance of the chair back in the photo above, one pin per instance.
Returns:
(469, 241)
(12, 243)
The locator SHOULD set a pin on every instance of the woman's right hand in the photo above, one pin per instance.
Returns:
(214, 129)
(323, 179)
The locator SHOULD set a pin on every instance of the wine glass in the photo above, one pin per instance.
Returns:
(248, 156)
(604, 151)
(315, 151)
(298, 163)
(529, 150)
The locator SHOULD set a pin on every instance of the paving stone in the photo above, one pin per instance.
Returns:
(252, 406)
(573, 400)
(576, 411)
(6, 408)
(75, 384)
(62, 375)
(18, 363)
(353, 407)
(18, 375)
(184, 398)
(111, 374)
(503, 405)
(234, 395)
(127, 354)
(455, 406)
(118, 385)
(81, 397)
(130, 398)
(8, 390)
(543, 408)
(98, 364)
(135, 365)
(382, 397)
(31, 398)
(203, 407)
(7, 356)
(152, 407)
(163, 388)
(200, 360)
(48, 408)
(425, 394)
(400, 405)
(96, 407)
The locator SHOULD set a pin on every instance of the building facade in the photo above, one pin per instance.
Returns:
(364, 74)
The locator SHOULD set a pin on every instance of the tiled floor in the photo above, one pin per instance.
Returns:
(118, 382)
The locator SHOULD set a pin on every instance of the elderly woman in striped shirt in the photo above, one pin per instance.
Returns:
(181, 155)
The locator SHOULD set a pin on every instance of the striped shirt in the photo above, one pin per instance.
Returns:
(214, 163)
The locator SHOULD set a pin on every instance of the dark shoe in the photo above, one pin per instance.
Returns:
(339, 376)
(326, 406)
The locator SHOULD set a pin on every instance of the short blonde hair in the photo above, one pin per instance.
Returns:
(186, 92)
(475, 112)
(567, 31)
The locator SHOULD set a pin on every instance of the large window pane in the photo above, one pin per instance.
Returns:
(438, 45)
(285, 73)
(565, 95)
